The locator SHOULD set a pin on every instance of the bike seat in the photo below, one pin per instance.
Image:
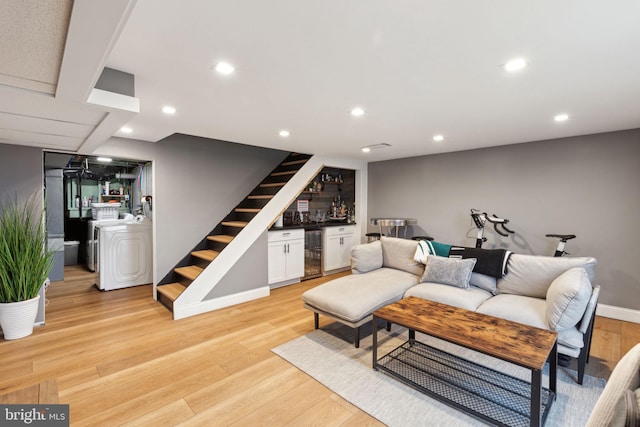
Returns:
(564, 237)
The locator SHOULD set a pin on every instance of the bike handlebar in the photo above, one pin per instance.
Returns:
(499, 224)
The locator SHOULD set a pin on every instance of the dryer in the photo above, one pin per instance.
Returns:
(124, 254)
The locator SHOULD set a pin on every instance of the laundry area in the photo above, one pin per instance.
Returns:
(99, 215)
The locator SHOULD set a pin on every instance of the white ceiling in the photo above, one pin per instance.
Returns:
(417, 67)
(51, 55)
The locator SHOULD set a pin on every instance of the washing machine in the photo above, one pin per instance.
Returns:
(92, 242)
(124, 254)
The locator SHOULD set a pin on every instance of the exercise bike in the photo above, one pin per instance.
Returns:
(499, 225)
(563, 238)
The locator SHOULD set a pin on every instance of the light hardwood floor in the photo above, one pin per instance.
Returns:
(117, 358)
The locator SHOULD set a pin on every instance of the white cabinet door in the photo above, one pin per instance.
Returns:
(295, 259)
(286, 255)
(332, 253)
(337, 247)
(277, 262)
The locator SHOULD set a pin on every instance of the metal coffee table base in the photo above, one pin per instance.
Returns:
(481, 391)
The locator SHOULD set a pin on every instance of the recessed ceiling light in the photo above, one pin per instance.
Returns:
(167, 109)
(357, 112)
(375, 147)
(561, 118)
(104, 159)
(515, 65)
(126, 129)
(438, 138)
(224, 68)
(284, 133)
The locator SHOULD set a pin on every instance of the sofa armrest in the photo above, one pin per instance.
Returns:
(590, 311)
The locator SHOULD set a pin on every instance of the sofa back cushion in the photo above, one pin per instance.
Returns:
(567, 299)
(531, 275)
(398, 254)
(366, 257)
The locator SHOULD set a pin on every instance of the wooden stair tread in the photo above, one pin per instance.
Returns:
(221, 238)
(273, 184)
(171, 290)
(260, 196)
(239, 224)
(294, 162)
(248, 210)
(190, 271)
(284, 173)
(207, 254)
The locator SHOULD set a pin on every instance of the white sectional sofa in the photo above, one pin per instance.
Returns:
(552, 293)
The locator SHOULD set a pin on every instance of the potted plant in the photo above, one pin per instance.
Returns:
(25, 263)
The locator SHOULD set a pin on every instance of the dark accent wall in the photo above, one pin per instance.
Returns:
(585, 185)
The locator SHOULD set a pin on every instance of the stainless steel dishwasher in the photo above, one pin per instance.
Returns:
(312, 254)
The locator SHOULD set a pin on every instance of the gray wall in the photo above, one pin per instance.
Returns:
(585, 185)
(21, 171)
(197, 181)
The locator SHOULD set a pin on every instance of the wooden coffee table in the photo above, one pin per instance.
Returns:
(476, 389)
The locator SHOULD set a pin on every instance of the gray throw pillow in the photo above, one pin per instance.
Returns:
(366, 257)
(482, 281)
(448, 271)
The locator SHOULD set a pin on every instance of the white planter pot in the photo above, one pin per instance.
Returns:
(17, 318)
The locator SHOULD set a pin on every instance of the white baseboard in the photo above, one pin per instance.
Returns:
(618, 313)
(217, 303)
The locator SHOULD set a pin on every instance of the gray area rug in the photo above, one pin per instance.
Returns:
(325, 355)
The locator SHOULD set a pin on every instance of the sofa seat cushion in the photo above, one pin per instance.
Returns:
(468, 299)
(571, 338)
(356, 296)
(531, 275)
(517, 308)
(532, 312)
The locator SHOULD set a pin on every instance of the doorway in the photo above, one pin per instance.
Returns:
(79, 188)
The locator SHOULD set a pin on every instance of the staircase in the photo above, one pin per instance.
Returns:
(190, 268)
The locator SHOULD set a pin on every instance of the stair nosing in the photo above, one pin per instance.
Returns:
(238, 224)
(188, 274)
(294, 162)
(220, 238)
(283, 173)
(260, 196)
(206, 254)
(167, 289)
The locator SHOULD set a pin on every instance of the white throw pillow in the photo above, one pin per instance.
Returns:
(567, 298)
(424, 248)
(366, 257)
(448, 271)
